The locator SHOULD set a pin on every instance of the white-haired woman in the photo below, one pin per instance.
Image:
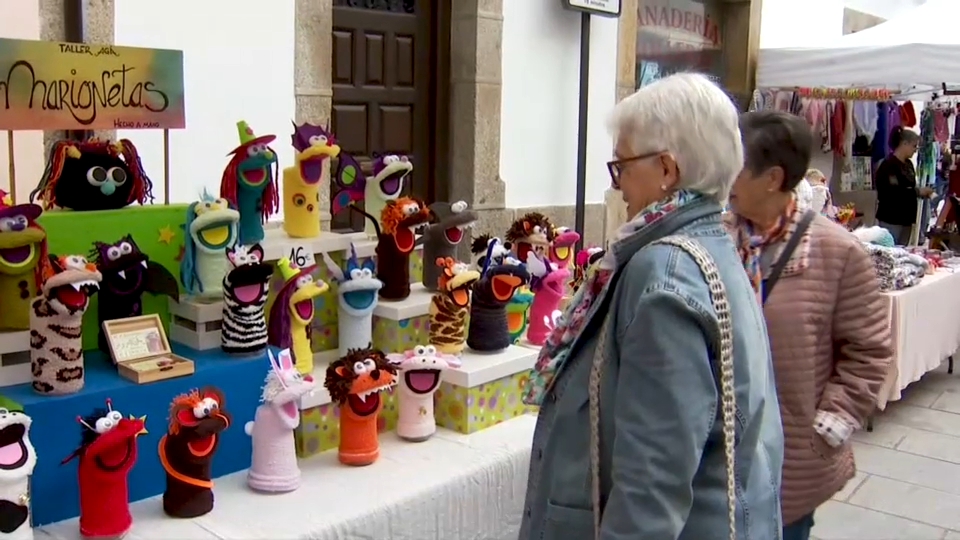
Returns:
(661, 356)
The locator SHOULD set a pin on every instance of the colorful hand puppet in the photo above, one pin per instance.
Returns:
(586, 259)
(127, 274)
(301, 183)
(479, 248)
(93, 175)
(56, 324)
(23, 261)
(250, 183)
(532, 232)
(211, 229)
(357, 298)
(547, 283)
(389, 174)
(288, 326)
(562, 246)
(354, 383)
(107, 454)
(489, 329)
(420, 371)
(450, 305)
(187, 450)
(17, 461)
(396, 239)
(274, 466)
(245, 288)
(441, 237)
(518, 311)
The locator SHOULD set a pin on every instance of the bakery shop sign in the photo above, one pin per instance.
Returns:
(74, 86)
(685, 25)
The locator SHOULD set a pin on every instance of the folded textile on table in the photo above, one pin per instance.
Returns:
(896, 268)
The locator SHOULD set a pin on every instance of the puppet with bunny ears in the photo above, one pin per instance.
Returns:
(245, 288)
(357, 298)
(547, 283)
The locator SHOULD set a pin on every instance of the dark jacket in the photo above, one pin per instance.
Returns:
(896, 191)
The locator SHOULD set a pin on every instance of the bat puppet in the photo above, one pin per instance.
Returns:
(441, 237)
(357, 298)
(292, 312)
(250, 183)
(390, 172)
(450, 305)
(489, 330)
(23, 261)
(186, 452)
(211, 229)
(312, 146)
(420, 370)
(17, 460)
(532, 232)
(127, 274)
(396, 239)
(547, 283)
(245, 289)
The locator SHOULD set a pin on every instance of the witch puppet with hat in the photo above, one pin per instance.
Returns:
(250, 182)
(23, 261)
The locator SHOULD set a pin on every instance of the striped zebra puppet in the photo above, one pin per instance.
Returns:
(244, 328)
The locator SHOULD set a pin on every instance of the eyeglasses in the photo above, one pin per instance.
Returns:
(617, 166)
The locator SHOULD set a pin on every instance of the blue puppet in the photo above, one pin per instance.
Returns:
(210, 229)
(358, 287)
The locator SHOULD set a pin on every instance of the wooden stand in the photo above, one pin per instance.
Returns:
(196, 323)
(139, 347)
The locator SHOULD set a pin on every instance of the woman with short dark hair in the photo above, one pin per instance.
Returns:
(897, 191)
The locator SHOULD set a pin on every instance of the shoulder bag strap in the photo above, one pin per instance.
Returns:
(787, 252)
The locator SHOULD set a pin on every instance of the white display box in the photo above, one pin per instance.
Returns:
(411, 307)
(277, 244)
(480, 368)
(15, 358)
(196, 323)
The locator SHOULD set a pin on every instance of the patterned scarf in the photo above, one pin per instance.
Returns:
(556, 350)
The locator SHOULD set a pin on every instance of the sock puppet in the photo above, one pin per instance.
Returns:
(420, 371)
(357, 298)
(479, 249)
(450, 305)
(531, 232)
(562, 246)
(17, 460)
(210, 229)
(23, 261)
(250, 183)
(245, 288)
(586, 258)
(274, 466)
(127, 274)
(354, 383)
(288, 326)
(312, 145)
(441, 237)
(489, 330)
(547, 283)
(56, 324)
(107, 454)
(186, 452)
(389, 174)
(396, 238)
(518, 311)
(93, 175)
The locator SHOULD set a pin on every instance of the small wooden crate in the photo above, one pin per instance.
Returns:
(196, 323)
(140, 349)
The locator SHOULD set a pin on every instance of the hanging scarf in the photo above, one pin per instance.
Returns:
(556, 350)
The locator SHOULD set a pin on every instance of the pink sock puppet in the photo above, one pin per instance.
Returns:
(547, 283)
(421, 369)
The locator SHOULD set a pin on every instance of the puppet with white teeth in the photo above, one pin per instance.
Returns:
(442, 236)
(357, 292)
(17, 460)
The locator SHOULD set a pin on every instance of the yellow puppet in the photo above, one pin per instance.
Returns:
(301, 182)
(292, 312)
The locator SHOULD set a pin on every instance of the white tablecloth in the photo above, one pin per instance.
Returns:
(925, 323)
(452, 487)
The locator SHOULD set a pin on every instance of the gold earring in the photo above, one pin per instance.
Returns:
(663, 187)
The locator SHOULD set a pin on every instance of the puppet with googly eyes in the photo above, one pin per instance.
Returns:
(186, 451)
(245, 288)
(420, 371)
(489, 329)
(249, 182)
(442, 236)
(292, 312)
(390, 174)
(357, 298)
(107, 453)
(532, 232)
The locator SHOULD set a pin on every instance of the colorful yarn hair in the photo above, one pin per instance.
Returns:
(190, 399)
(231, 177)
(278, 323)
(142, 191)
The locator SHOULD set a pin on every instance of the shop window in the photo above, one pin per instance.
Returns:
(397, 6)
(678, 35)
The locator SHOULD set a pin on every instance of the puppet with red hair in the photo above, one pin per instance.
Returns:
(23, 261)
(250, 183)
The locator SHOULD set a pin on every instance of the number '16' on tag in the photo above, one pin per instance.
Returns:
(301, 256)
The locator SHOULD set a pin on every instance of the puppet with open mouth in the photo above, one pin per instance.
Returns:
(250, 183)
(312, 146)
(532, 232)
(396, 239)
(489, 330)
(420, 371)
(357, 298)
(441, 237)
(547, 283)
(23, 261)
(127, 273)
(107, 453)
(518, 314)
(186, 452)
(17, 460)
(390, 172)
(211, 229)
(56, 321)
(245, 288)
(288, 326)
(355, 382)
(450, 305)
(274, 466)
(562, 246)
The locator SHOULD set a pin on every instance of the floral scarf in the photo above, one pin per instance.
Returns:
(556, 350)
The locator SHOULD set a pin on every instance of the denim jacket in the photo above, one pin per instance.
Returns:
(662, 465)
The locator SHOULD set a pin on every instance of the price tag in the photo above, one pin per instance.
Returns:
(301, 256)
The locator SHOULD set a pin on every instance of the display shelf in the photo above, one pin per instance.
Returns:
(278, 244)
(14, 358)
(196, 323)
(479, 368)
(527, 345)
(411, 307)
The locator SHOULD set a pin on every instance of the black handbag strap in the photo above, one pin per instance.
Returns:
(788, 250)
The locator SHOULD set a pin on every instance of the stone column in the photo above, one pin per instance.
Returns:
(616, 209)
(741, 43)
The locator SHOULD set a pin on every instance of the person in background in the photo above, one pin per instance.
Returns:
(896, 182)
(827, 320)
(822, 200)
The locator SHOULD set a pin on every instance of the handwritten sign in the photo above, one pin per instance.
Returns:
(51, 85)
(301, 256)
(136, 344)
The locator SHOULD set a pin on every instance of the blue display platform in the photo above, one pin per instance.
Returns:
(55, 432)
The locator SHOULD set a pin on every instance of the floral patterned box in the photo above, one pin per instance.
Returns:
(319, 428)
(468, 410)
(396, 336)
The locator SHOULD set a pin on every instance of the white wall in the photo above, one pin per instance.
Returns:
(538, 133)
(238, 65)
(886, 9)
(786, 23)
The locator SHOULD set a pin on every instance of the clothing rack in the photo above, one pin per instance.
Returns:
(848, 94)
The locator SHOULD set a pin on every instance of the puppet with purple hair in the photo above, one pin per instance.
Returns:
(301, 183)
(292, 312)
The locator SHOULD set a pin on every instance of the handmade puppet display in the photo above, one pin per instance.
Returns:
(288, 326)
(390, 172)
(450, 305)
(354, 383)
(187, 450)
(17, 460)
(312, 145)
(245, 288)
(357, 298)
(420, 370)
(480, 250)
(396, 238)
(547, 283)
(23, 261)
(518, 311)
(442, 236)
(107, 454)
(56, 321)
(93, 175)
(531, 232)
(489, 330)
(127, 274)
(586, 259)
(274, 466)
(250, 183)
(562, 245)
(210, 229)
